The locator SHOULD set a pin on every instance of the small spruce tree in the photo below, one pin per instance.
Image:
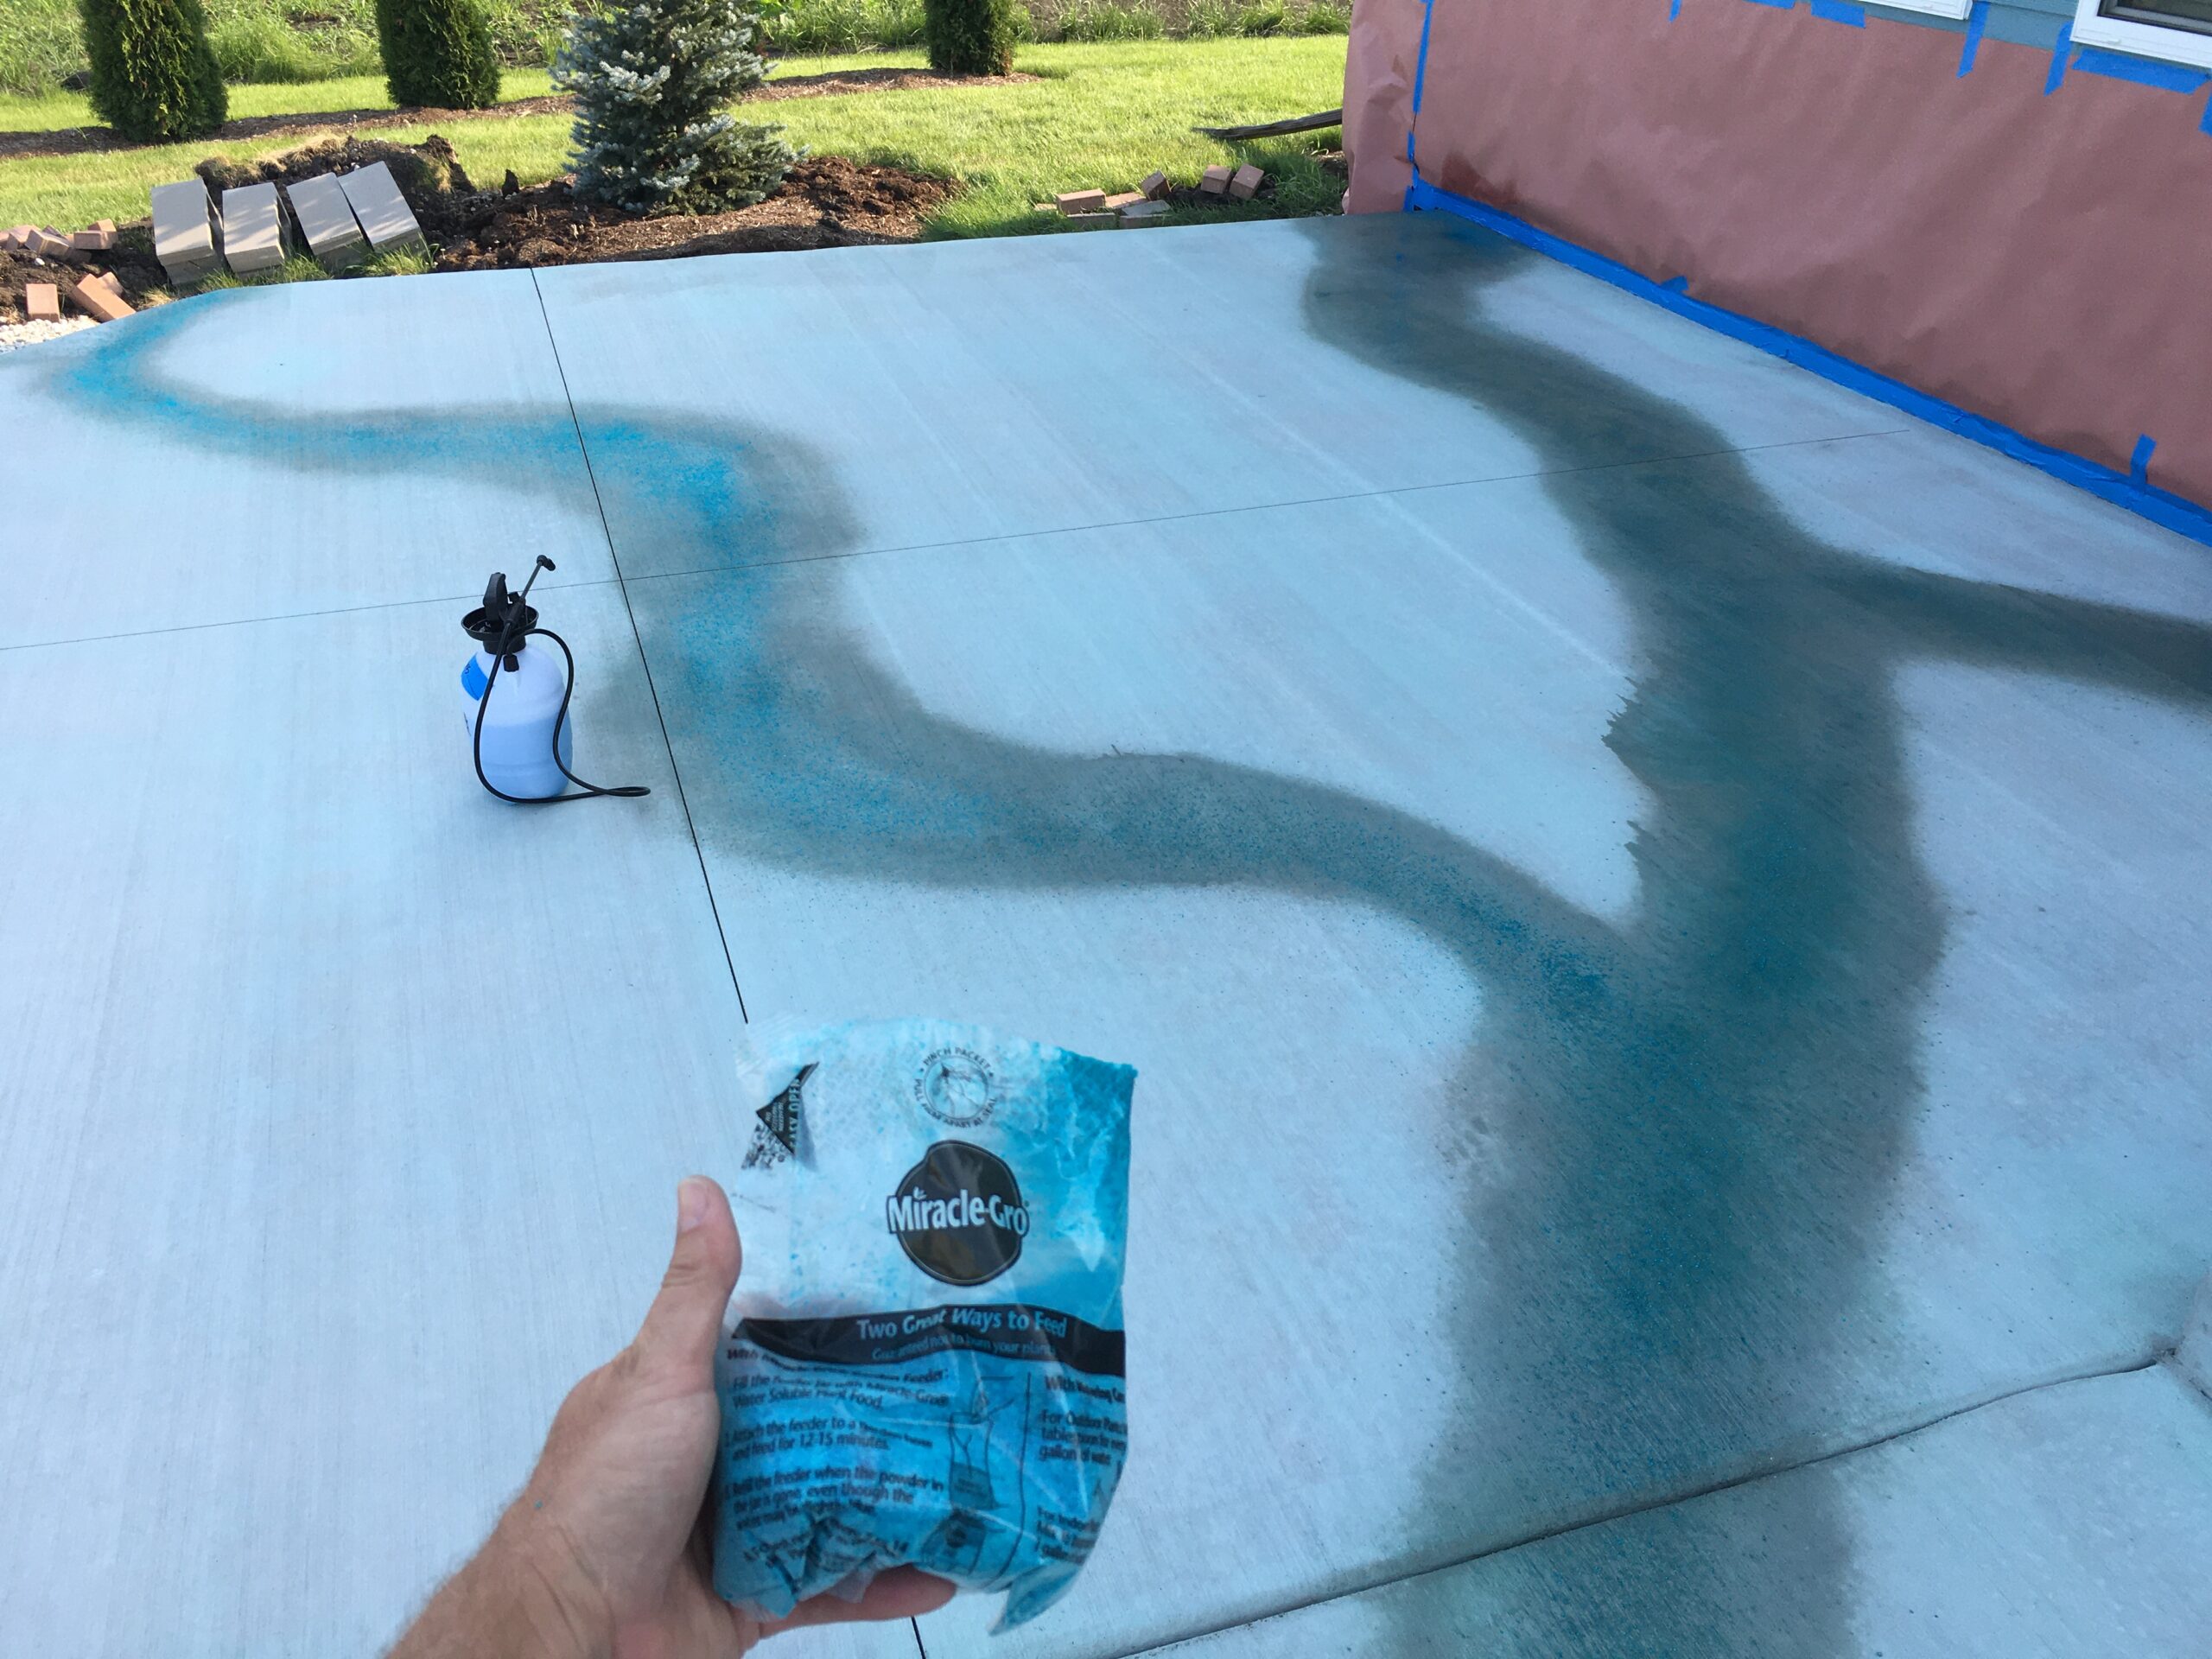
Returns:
(654, 81)
(969, 37)
(437, 54)
(154, 77)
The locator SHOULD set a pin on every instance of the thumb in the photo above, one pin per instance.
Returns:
(685, 1321)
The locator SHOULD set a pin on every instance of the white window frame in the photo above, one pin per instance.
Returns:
(1939, 8)
(2093, 27)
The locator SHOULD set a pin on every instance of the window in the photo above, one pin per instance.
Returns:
(2179, 31)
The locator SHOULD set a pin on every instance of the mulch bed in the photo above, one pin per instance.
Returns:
(72, 141)
(826, 202)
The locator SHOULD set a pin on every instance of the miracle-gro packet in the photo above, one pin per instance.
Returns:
(926, 1361)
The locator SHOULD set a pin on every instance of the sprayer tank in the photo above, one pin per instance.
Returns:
(518, 752)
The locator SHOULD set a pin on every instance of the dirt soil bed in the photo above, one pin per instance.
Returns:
(130, 262)
(71, 141)
(825, 202)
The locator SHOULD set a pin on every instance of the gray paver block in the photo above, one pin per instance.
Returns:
(1098, 221)
(326, 221)
(254, 237)
(1146, 213)
(187, 238)
(385, 217)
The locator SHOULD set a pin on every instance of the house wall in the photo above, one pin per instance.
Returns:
(1989, 214)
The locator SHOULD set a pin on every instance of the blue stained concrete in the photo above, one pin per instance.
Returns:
(1658, 907)
(236, 458)
(2068, 1520)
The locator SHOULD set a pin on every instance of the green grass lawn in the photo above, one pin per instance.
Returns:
(1105, 114)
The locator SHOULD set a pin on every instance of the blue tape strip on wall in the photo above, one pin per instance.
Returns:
(1977, 20)
(1841, 11)
(2131, 490)
(2145, 71)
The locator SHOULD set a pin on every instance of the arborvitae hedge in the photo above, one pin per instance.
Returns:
(154, 75)
(654, 81)
(969, 37)
(438, 53)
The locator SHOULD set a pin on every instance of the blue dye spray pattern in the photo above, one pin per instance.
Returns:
(927, 1364)
(1719, 1091)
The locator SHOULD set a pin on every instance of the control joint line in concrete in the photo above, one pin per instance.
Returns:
(606, 529)
(1259, 506)
(284, 616)
(1383, 1580)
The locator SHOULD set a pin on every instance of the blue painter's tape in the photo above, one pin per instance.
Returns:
(1420, 63)
(1977, 19)
(1675, 10)
(1677, 284)
(2148, 72)
(473, 680)
(2139, 464)
(2205, 126)
(1841, 11)
(1779, 5)
(2136, 494)
(2057, 78)
(1420, 74)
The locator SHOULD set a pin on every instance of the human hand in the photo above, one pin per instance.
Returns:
(605, 1551)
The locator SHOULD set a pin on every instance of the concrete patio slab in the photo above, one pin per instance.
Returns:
(1658, 907)
(1169, 375)
(1239, 812)
(256, 454)
(344, 1107)
(2073, 1521)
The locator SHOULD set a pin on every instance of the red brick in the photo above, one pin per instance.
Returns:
(1214, 181)
(1247, 182)
(93, 299)
(1155, 186)
(99, 239)
(1116, 202)
(41, 301)
(1080, 202)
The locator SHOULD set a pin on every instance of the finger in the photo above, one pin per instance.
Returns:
(902, 1592)
(685, 1321)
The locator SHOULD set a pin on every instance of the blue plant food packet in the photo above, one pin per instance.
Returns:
(926, 1363)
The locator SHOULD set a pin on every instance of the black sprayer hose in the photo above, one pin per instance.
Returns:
(561, 720)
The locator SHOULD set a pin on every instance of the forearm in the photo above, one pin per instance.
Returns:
(512, 1600)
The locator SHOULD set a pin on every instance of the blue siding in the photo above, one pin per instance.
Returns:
(2025, 22)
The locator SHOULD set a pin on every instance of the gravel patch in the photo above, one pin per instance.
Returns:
(13, 334)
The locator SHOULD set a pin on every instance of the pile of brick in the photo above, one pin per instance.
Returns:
(1241, 186)
(95, 293)
(1094, 210)
(340, 218)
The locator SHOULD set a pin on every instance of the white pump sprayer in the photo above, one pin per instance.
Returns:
(523, 749)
